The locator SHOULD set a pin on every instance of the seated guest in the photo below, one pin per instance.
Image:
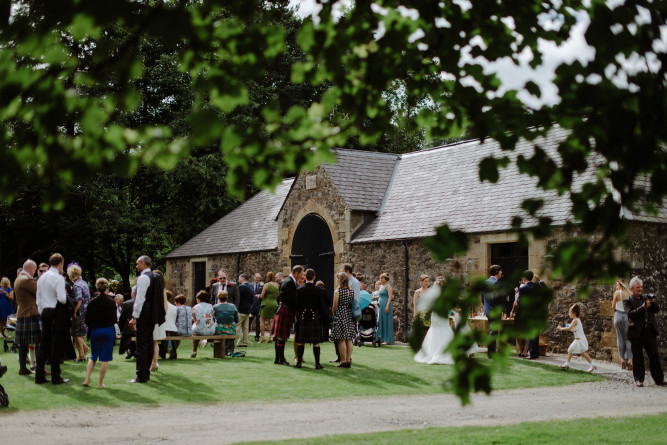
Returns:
(226, 316)
(164, 330)
(100, 319)
(202, 318)
(183, 323)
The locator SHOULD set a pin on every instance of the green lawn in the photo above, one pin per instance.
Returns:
(646, 430)
(389, 370)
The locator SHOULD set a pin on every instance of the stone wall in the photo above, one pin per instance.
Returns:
(647, 255)
(249, 263)
(373, 259)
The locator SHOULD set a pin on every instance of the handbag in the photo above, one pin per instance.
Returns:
(356, 309)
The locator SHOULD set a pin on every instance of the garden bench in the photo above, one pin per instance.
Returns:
(217, 340)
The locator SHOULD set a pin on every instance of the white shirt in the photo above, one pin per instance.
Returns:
(50, 290)
(355, 286)
(143, 282)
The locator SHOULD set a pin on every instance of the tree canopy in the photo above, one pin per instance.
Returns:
(73, 79)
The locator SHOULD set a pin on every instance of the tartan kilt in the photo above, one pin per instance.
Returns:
(28, 331)
(308, 329)
(282, 323)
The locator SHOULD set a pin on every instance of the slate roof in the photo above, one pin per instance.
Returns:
(441, 185)
(250, 227)
(362, 177)
(410, 195)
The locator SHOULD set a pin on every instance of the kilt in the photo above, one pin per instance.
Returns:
(308, 329)
(28, 331)
(282, 323)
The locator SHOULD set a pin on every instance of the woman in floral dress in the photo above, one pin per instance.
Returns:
(202, 317)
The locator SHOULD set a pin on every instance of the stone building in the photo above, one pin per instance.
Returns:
(374, 209)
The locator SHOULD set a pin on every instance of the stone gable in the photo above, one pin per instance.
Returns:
(313, 192)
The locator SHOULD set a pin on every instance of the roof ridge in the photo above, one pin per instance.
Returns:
(367, 152)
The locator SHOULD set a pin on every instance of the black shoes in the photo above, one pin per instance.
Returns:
(60, 381)
(42, 381)
(318, 366)
(137, 381)
(3, 369)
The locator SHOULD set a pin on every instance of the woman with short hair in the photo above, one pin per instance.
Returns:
(202, 318)
(344, 327)
(183, 323)
(100, 318)
(82, 296)
(226, 316)
(386, 320)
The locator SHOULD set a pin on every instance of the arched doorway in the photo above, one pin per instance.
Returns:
(312, 247)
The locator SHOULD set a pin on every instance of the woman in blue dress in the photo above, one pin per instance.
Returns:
(6, 298)
(386, 319)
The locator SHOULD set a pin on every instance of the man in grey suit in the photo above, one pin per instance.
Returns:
(231, 288)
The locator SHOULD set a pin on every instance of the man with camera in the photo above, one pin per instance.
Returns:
(643, 332)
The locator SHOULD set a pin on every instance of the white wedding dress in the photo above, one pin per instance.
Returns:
(439, 335)
(436, 341)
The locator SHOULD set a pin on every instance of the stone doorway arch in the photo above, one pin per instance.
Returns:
(313, 247)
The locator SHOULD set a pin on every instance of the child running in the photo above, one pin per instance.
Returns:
(580, 344)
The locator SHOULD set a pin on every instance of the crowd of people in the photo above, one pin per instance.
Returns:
(55, 316)
(58, 316)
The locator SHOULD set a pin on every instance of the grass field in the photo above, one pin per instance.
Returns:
(608, 431)
(389, 370)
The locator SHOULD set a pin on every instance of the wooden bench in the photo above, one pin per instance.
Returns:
(217, 340)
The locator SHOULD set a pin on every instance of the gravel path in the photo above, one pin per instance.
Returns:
(217, 424)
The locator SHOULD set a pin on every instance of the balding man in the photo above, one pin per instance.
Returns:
(147, 312)
(28, 331)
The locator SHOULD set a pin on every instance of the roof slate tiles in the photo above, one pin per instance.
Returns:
(362, 177)
(441, 185)
(250, 227)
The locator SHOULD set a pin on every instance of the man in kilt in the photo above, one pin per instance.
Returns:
(308, 329)
(282, 324)
(28, 329)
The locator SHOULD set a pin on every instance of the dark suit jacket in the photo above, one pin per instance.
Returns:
(246, 294)
(256, 302)
(636, 316)
(126, 316)
(309, 296)
(287, 295)
(232, 290)
(126, 333)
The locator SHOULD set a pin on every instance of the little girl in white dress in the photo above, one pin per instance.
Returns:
(580, 344)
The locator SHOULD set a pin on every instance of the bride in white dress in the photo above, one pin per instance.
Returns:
(439, 335)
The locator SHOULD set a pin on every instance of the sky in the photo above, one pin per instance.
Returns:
(514, 77)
